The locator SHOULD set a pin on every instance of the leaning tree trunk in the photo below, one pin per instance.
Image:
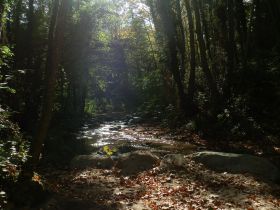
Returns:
(55, 46)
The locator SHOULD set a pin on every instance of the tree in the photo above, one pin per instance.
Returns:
(56, 36)
(16, 34)
(30, 32)
(181, 38)
(202, 51)
(191, 87)
(2, 9)
(231, 60)
(168, 25)
(242, 30)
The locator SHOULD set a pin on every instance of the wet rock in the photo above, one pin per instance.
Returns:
(136, 162)
(115, 128)
(135, 120)
(94, 161)
(126, 149)
(239, 163)
(171, 148)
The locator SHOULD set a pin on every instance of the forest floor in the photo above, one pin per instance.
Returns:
(190, 187)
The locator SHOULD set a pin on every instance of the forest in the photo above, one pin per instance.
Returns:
(139, 104)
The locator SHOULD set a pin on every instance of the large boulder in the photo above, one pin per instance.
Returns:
(93, 161)
(136, 162)
(239, 163)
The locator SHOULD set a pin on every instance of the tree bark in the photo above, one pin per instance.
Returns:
(17, 13)
(164, 9)
(2, 9)
(55, 47)
(191, 87)
(30, 29)
(181, 39)
(230, 48)
(30, 109)
(205, 29)
(242, 30)
(160, 40)
(202, 48)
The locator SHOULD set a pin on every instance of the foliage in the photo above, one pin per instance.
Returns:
(236, 121)
(109, 150)
(91, 107)
(171, 118)
(13, 150)
(5, 56)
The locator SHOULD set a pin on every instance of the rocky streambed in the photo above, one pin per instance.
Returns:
(135, 148)
(137, 166)
(128, 147)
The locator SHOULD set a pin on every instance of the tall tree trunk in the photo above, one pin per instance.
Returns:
(152, 47)
(30, 111)
(242, 30)
(181, 39)
(55, 46)
(251, 39)
(164, 9)
(153, 17)
(30, 29)
(202, 48)
(17, 34)
(230, 48)
(257, 24)
(2, 9)
(191, 87)
(205, 28)
(168, 87)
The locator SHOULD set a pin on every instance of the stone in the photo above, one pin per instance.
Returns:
(115, 128)
(135, 120)
(140, 206)
(172, 160)
(93, 161)
(136, 162)
(238, 164)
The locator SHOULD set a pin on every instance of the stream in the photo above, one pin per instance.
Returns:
(127, 137)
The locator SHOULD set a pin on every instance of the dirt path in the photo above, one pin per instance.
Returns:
(188, 187)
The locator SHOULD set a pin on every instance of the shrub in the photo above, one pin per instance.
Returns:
(13, 148)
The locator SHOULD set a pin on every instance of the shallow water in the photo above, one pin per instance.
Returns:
(134, 137)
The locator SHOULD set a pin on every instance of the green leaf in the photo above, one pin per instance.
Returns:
(109, 151)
